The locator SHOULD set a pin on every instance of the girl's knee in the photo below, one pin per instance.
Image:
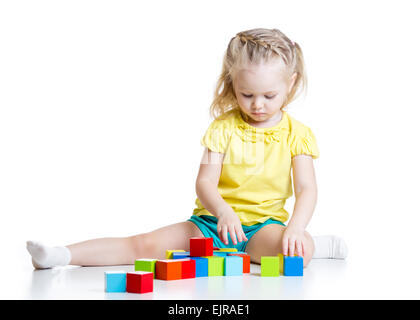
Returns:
(309, 249)
(142, 245)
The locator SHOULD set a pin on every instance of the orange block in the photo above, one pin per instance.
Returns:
(168, 269)
(246, 259)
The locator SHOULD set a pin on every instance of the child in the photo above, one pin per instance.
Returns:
(244, 177)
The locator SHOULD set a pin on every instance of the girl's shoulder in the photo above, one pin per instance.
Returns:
(301, 139)
(226, 121)
(296, 127)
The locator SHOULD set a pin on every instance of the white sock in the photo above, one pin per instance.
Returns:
(329, 247)
(44, 257)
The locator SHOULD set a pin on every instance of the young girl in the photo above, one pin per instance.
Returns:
(244, 177)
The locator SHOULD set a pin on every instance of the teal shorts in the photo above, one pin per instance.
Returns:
(208, 227)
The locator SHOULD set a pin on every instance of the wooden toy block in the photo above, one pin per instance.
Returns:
(228, 250)
(168, 269)
(293, 266)
(215, 266)
(180, 255)
(233, 266)
(201, 247)
(270, 266)
(145, 265)
(246, 261)
(115, 281)
(281, 264)
(139, 282)
(201, 266)
(187, 268)
(170, 252)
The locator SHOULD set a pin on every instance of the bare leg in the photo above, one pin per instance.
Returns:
(119, 251)
(268, 242)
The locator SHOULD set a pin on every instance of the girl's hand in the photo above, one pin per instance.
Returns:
(229, 222)
(293, 241)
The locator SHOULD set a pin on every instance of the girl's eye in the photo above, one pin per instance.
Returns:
(250, 95)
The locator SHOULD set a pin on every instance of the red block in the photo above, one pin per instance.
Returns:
(187, 268)
(201, 247)
(247, 261)
(168, 269)
(139, 282)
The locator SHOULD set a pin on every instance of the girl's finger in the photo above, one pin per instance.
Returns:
(220, 232)
(224, 234)
(238, 231)
(292, 244)
(244, 238)
(299, 248)
(232, 234)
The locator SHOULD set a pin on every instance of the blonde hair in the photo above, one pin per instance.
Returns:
(256, 46)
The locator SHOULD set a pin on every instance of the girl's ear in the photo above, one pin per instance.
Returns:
(292, 81)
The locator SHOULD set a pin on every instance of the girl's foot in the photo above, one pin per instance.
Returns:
(44, 257)
(329, 247)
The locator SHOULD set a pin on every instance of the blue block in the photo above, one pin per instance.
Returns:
(221, 254)
(293, 266)
(201, 266)
(180, 255)
(233, 266)
(115, 281)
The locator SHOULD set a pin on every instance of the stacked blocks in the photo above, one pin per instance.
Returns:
(233, 266)
(180, 255)
(203, 260)
(115, 281)
(169, 253)
(139, 282)
(201, 247)
(201, 266)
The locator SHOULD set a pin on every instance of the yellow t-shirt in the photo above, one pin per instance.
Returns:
(256, 174)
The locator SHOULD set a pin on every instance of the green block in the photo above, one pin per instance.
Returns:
(270, 266)
(216, 265)
(145, 265)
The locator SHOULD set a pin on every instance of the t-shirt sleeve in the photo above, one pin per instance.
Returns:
(217, 136)
(303, 141)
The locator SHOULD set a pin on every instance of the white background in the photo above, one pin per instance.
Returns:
(103, 104)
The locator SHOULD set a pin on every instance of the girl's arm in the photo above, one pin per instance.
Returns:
(306, 192)
(209, 196)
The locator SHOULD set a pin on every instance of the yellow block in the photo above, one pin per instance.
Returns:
(281, 263)
(169, 253)
(227, 250)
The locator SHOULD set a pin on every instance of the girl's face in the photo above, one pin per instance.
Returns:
(261, 91)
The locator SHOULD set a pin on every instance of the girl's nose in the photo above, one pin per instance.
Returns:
(258, 104)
